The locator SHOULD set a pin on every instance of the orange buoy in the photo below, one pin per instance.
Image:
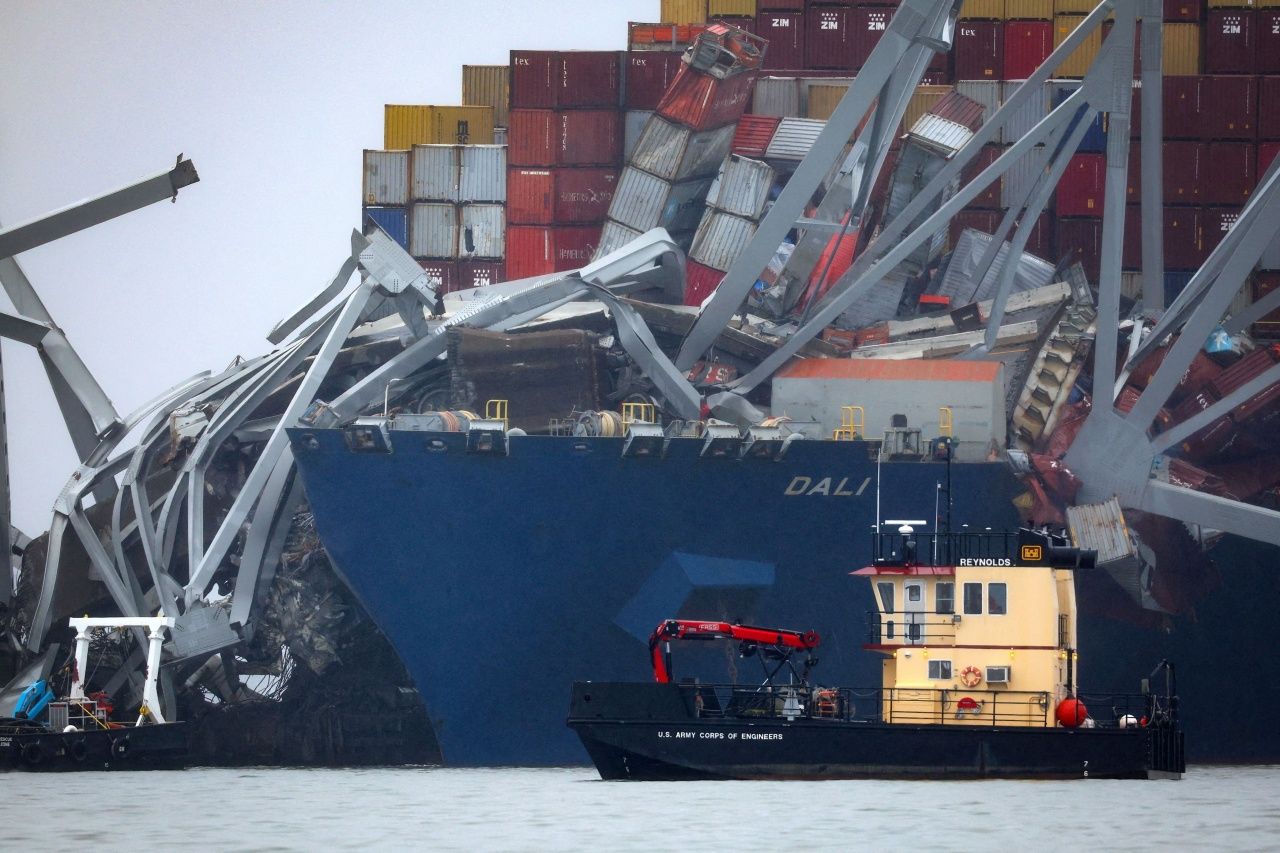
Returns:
(1071, 712)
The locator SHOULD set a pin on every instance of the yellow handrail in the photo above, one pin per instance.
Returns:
(645, 413)
(945, 421)
(852, 422)
(496, 410)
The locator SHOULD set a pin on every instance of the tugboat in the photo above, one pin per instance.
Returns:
(978, 636)
(80, 734)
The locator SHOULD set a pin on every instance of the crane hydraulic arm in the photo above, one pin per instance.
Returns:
(689, 629)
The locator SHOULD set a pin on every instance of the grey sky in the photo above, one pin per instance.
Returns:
(274, 103)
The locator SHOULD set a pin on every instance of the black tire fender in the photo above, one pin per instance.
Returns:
(33, 753)
(78, 750)
(120, 747)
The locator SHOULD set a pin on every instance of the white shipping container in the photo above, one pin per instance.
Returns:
(614, 236)
(674, 152)
(386, 177)
(742, 187)
(483, 173)
(433, 231)
(1022, 175)
(720, 239)
(1029, 114)
(793, 138)
(643, 201)
(483, 232)
(633, 123)
(435, 172)
(985, 92)
(778, 96)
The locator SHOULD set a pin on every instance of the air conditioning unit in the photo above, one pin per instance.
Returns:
(997, 675)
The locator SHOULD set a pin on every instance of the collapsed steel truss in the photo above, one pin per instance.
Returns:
(1113, 454)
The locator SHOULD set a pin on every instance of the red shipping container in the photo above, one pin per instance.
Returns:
(1080, 240)
(1135, 114)
(1210, 440)
(753, 135)
(704, 102)
(1267, 152)
(1231, 174)
(571, 79)
(559, 196)
(1181, 108)
(474, 273)
(1040, 240)
(1080, 190)
(1131, 254)
(1133, 175)
(989, 198)
(1264, 283)
(1183, 10)
(828, 39)
(649, 73)
(699, 282)
(1229, 46)
(441, 275)
(1228, 107)
(869, 25)
(570, 138)
(1026, 45)
(785, 32)
(1267, 50)
(1183, 238)
(986, 221)
(937, 78)
(1185, 166)
(1269, 108)
(1217, 223)
(979, 50)
(542, 249)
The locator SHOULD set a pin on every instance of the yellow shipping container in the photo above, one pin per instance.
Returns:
(1079, 61)
(1028, 10)
(1269, 4)
(488, 86)
(1073, 7)
(1181, 49)
(407, 125)
(921, 102)
(982, 10)
(731, 8)
(823, 99)
(1233, 4)
(684, 11)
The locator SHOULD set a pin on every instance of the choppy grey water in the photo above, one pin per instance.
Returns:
(1212, 808)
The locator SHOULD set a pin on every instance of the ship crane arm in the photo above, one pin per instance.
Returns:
(783, 641)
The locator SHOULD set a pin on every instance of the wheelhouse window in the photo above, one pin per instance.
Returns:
(886, 596)
(913, 592)
(945, 595)
(940, 669)
(973, 599)
(997, 599)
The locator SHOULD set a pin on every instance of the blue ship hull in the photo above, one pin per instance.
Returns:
(501, 580)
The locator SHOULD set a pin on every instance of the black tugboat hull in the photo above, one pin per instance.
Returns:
(154, 747)
(657, 739)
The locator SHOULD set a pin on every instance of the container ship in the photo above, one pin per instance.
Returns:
(670, 332)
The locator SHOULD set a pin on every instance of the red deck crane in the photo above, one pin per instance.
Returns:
(774, 641)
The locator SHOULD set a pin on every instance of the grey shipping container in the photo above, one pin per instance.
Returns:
(674, 152)
(778, 96)
(499, 136)
(435, 172)
(985, 92)
(645, 201)
(957, 281)
(633, 123)
(742, 187)
(720, 238)
(939, 134)
(386, 177)
(614, 236)
(483, 231)
(1022, 175)
(483, 173)
(433, 230)
(1029, 114)
(793, 138)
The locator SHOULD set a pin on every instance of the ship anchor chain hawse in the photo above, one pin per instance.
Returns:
(372, 484)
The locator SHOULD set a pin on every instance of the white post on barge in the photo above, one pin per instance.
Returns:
(156, 624)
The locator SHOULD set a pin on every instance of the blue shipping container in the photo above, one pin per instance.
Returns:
(393, 220)
(1174, 283)
(1094, 140)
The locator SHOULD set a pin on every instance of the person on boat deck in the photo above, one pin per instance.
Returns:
(437, 307)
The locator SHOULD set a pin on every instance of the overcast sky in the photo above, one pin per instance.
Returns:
(273, 101)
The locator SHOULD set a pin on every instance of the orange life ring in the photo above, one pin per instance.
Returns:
(970, 676)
